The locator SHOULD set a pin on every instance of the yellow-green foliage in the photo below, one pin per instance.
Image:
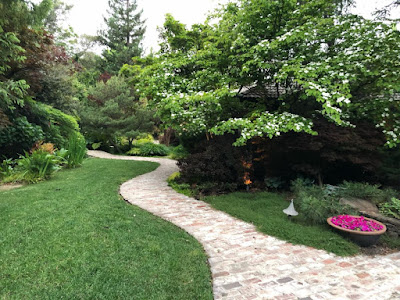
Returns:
(173, 176)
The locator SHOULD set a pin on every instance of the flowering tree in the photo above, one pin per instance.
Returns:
(322, 61)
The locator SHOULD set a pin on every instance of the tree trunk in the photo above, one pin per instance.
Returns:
(320, 182)
(166, 140)
(127, 26)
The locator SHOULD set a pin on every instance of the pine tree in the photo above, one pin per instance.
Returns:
(124, 33)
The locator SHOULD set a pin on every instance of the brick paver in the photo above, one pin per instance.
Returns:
(246, 264)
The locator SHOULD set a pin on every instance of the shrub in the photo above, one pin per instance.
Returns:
(391, 208)
(390, 169)
(203, 189)
(134, 152)
(19, 137)
(213, 161)
(274, 182)
(144, 138)
(6, 168)
(39, 122)
(38, 166)
(46, 147)
(316, 203)
(114, 111)
(96, 146)
(57, 126)
(366, 191)
(317, 210)
(148, 149)
(337, 153)
(182, 188)
(178, 152)
(300, 184)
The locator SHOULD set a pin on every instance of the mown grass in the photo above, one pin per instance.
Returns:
(264, 210)
(73, 237)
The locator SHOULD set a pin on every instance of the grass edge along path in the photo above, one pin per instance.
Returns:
(74, 237)
(264, 210)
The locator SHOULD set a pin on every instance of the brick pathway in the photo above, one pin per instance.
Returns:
(246, 264)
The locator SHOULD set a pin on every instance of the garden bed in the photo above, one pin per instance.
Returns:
(264, 210)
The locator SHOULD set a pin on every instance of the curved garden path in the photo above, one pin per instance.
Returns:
(246, 264)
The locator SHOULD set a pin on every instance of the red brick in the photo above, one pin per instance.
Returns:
(362, 275)
(220, 274)
(345, 264)
(329, 261)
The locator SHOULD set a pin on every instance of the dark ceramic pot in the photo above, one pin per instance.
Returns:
(362, 238)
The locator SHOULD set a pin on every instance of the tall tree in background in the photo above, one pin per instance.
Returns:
(64, 36)
(123, 35)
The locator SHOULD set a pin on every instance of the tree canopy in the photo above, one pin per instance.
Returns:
(320, 61)
(113, 112)
(123, 35)
(36, 78)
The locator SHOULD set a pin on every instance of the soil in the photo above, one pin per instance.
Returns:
(379, 249)
(9, 186)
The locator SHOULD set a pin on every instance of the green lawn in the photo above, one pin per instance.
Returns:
(73, 237)
(264, 210)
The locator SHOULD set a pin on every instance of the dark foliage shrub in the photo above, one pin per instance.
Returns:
(274, 183)
(334, 155)
(214, 188)
(214, 161)
(390, 169)
(19, 137)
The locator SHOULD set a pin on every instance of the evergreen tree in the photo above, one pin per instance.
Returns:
(124, 33)
(113, 111)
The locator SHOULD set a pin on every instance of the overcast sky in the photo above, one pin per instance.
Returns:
(86, 17)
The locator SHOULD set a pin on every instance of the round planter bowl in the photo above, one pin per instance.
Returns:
(362, 238)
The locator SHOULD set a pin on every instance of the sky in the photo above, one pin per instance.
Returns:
(86, 17)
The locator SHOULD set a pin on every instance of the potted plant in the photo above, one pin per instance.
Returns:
(364, 231)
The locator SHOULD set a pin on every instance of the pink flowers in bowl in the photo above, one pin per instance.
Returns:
(356, 223)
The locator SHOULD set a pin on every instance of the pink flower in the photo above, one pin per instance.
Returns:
(356, 223)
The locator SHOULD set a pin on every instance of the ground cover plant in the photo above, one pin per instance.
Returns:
(391, 208)
(73, 237)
